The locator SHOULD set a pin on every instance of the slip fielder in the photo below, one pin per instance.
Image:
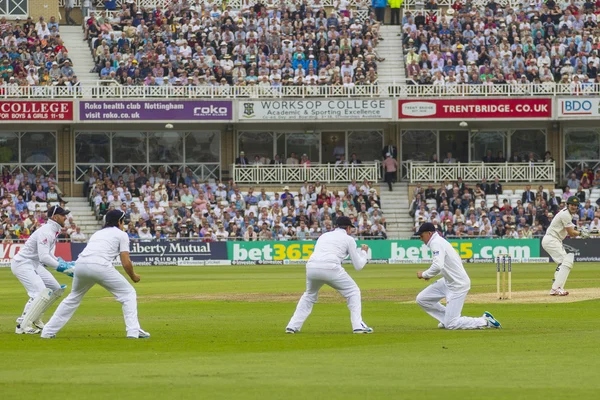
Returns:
(324, 267)
(28, 266)
(561, 226)
(94, 266)
(454, 285)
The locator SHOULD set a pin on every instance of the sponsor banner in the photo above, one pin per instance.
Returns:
(500, 108)
(584, 250)
(532, 260)
(198, 263)
(396, 251)
(32, 111)
(578, 107)
(293, 110)
(155, 110)
(169, 253)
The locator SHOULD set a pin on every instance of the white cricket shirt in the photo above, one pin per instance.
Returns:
(332, 247)
(39, 248)
(447, 262)
(561, 221)
(104, 246)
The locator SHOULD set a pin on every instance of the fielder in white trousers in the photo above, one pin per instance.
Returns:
(324, 267)
(453, 286)
(88, 275)
(94, 266)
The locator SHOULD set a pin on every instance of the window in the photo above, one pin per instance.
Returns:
(202, 147)
(481, 142)
(301, 143)
(165, 147)
(418, 145)
(525, 141)
(256, 144)
(38, 148)
(582, 145)
(9, 147)
(93, 148)
(129, 148)
(366, 144)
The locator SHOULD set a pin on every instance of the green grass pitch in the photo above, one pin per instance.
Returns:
(217, 333)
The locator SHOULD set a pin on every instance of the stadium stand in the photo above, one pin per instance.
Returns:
(26, 196)
(485, 43)
(176, 205)
(200, 44)
(33, 54)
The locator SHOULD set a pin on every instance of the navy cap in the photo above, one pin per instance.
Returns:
(56, 210)
(344, 222)
(426, 227)
(114, 216)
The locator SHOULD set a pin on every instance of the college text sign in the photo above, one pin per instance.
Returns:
(36, 110)
(322, 109)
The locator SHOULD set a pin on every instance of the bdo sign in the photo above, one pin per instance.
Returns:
(579, 107)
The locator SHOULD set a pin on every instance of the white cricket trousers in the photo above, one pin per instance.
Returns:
(86, 276)
(429, 300)
(35, 278)
(339, 280)
(554, 248)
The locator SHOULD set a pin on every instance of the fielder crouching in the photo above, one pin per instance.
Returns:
(454, 285)
(28, 266)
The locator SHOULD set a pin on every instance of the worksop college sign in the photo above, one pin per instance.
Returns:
(482, 108)
(318, 109)
(31, 111)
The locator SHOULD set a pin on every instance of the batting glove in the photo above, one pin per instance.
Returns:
(584, 233)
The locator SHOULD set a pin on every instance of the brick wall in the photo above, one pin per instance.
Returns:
(45, 8)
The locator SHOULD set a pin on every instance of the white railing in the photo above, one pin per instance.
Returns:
(513, 172)
(412, 4)
(328, 173)
(98, 90)
(235, 4)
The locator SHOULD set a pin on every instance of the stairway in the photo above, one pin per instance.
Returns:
(80, 53)
(392, 69)
(83, 215)
(395, 206)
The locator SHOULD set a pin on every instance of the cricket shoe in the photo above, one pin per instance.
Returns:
(558, 292)
(491, 321)
(291, 331)
(48, 336)
(27, 331)
(364, 329)
(441, 326)
(142, 334)
(39, 324)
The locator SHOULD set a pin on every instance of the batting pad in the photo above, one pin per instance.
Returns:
(562, 272)
(55, 295)
(38, 306)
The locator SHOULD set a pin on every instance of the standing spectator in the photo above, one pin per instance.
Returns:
(390, 166)
(379, 7)
(394, 10)
(69, 5)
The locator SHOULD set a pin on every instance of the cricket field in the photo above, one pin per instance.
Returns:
(218, 333)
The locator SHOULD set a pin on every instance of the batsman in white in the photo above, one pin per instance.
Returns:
(324, 267)
(28, 266)
(454, 285)
(94, 265)
(561, 226)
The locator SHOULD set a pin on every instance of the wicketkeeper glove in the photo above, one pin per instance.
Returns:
(66, 267)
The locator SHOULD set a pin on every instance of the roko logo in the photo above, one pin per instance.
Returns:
(210, 111)
(577, 107)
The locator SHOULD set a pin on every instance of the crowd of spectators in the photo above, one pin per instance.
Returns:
(25, 197)
(539, 42)
(170, 205)
(33, 54)
(488, 210)
(200, 44)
